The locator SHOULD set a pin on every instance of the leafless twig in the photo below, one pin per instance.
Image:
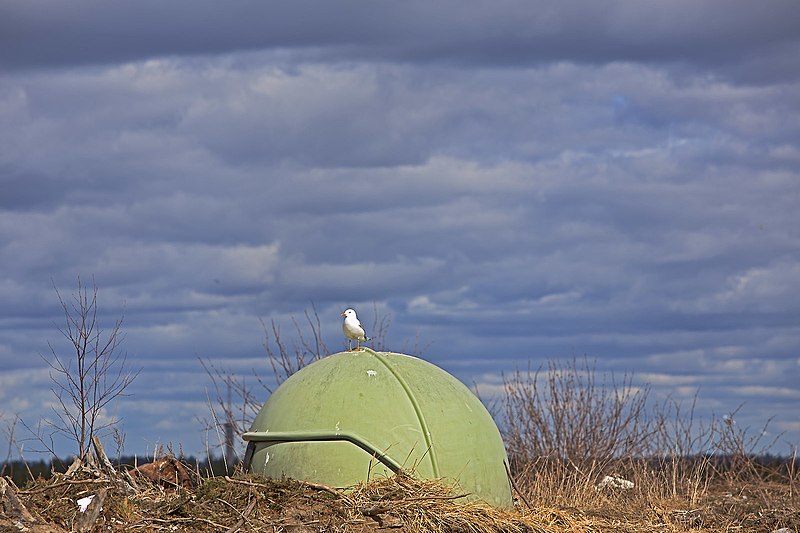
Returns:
(93, 376)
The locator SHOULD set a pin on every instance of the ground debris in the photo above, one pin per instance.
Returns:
(167, 471)
(400, 503)
(251, 503)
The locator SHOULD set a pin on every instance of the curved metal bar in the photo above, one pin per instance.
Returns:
(323, 436)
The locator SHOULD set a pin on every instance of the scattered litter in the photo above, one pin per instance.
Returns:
(612, 482)
(83, 503)
(732, 496)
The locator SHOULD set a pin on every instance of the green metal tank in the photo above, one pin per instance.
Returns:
(352, 416)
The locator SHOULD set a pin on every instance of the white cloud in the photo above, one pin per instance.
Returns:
(765, 391)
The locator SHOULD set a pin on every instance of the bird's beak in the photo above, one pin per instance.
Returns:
(344, 314)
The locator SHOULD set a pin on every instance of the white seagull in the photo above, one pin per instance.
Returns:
(353, 329)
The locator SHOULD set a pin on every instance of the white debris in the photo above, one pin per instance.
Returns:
(83, 503)
(612, 482)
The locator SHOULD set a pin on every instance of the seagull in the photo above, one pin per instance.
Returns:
(353, 329)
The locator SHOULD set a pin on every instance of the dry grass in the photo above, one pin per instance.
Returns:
(567, 428)
(561, 499)
(660, 500)
(425, 505)
(249, 503)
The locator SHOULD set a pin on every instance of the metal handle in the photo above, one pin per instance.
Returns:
(322, 436)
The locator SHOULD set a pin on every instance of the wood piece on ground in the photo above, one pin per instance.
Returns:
(102, 459)
(12, 507)
(74, 467)
(105, 466)
(85, 520)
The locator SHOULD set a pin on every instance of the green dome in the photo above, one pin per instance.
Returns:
(352, 416)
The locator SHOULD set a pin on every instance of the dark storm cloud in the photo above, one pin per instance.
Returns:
(41, 33)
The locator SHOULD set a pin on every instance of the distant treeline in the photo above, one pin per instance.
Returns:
(21, 472)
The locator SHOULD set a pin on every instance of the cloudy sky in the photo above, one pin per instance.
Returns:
(509, 181)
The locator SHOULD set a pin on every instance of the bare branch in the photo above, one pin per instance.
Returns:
(99, 374)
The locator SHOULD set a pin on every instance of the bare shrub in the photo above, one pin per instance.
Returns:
(306, 347)
(571, 413)
(89, 375)
(566, 428)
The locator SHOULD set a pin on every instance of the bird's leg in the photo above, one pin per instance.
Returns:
(349, 345)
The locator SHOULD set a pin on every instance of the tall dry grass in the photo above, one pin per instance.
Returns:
(579, 439)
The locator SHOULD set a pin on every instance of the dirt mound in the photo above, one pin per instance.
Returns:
(245, 503)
